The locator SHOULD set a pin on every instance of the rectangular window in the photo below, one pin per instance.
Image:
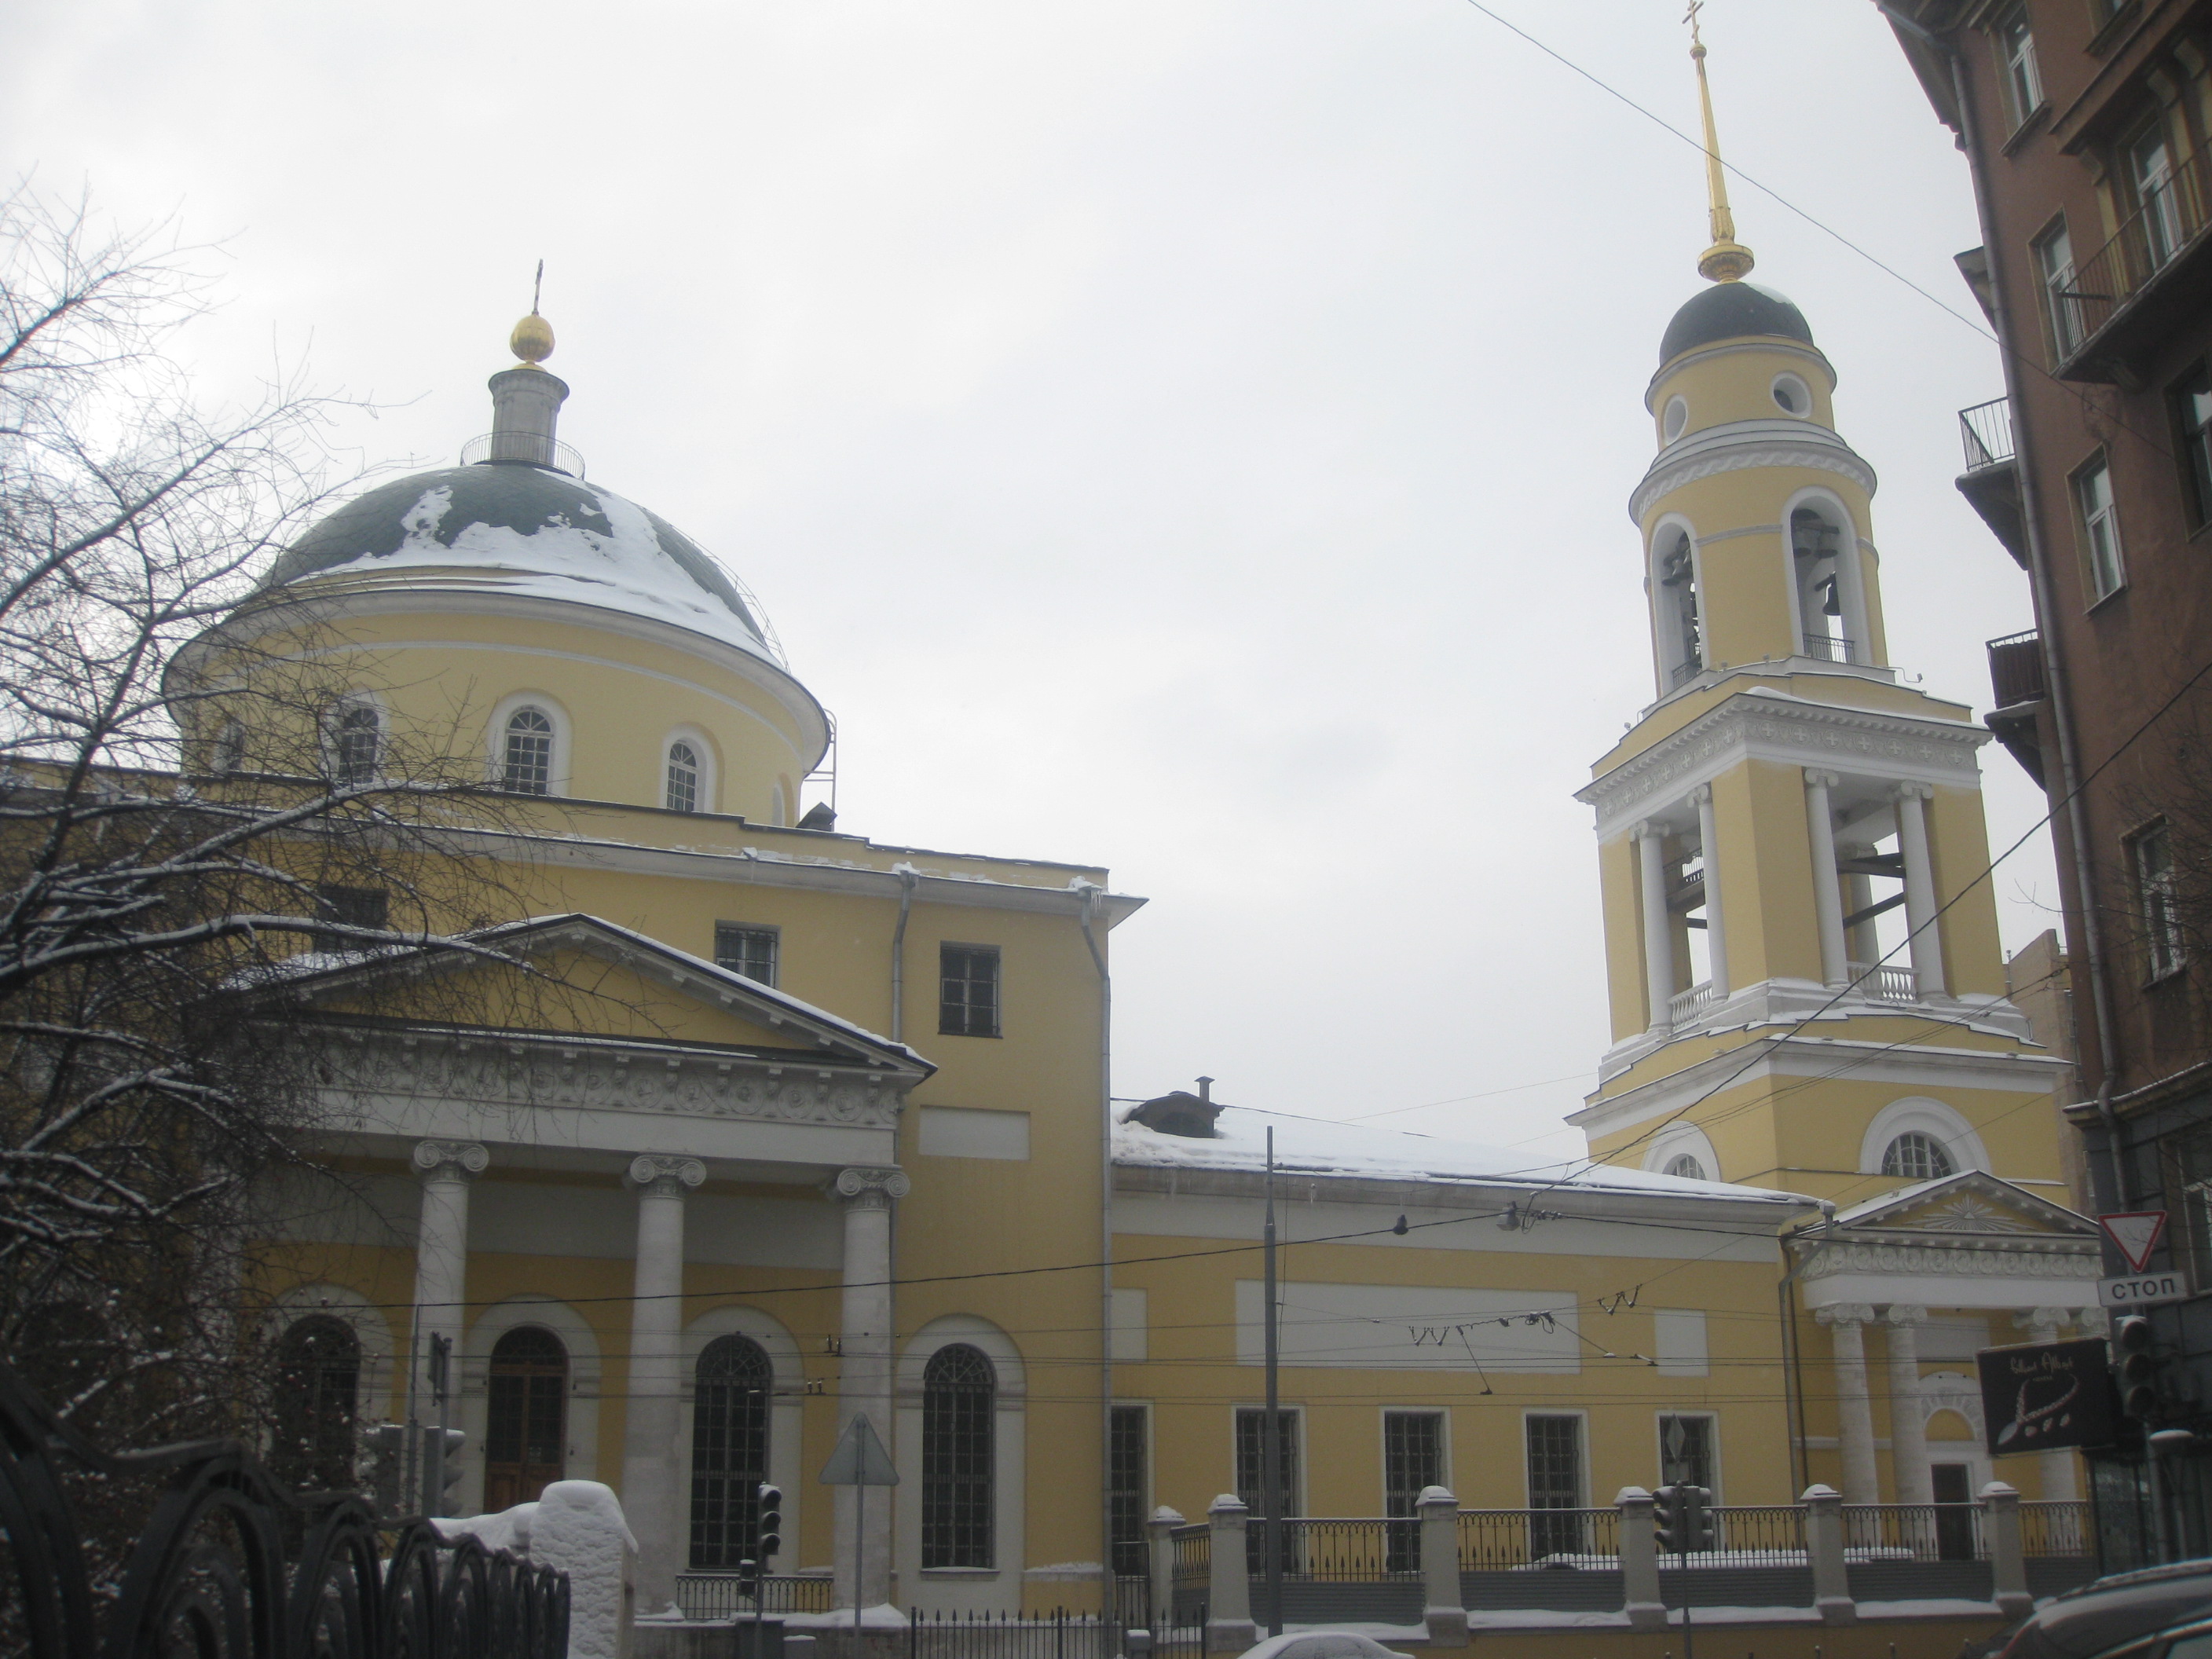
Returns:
(2101, 528)
(2154, 890)
(748, 950)
(350, 906)
(2054, 264)
(1251, 1442)
(1686, 1450)
(2192, 420)
(1412, 1459)
(1125, 1489)
(1555, 1482)
(968, 990)
(2023, 83)
(2150, 177)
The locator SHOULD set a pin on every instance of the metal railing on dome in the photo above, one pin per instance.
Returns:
(526, 446)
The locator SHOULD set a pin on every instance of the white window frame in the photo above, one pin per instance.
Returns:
(2016, 53)
(1931, 1117)
(1676, 1140)
(2054, 268)
(557, 769)
(2103, 557)
(992, 1588)
(581, 1461)
(1383, 1446)
(786, 1412)
(1582, 1450)
(1659, 1443)
(332, 723)
(710, 768)
(2164, 948)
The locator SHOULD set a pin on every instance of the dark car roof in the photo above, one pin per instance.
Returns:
(2115, 1610)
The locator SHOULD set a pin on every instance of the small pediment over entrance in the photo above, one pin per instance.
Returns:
(1970, 1202)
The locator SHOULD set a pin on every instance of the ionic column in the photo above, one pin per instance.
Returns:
(653, 1490)
(1908, 1421)
(1658, 935)
(864, 1576)
(445, 1168)
(1920, 888)
(2045, 1325)
(1716, 928)
(1846, 1323)
(1827, 893)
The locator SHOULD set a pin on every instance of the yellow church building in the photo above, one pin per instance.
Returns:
(833, 1132)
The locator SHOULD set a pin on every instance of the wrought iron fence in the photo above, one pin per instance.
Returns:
(1056, 1635)
(1831, 647)
(210, 1575)
(1492, 1540)
(1914, 1532)
(1193, 1568)
(523, 447)
(2172, 217)
(715, 1595)
(1351, 1550)
(2056, 1527)
(1756, 1536)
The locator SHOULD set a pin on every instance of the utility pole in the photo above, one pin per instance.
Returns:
(1271, 1445)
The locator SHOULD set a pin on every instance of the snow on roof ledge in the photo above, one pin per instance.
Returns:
(1307, 1149)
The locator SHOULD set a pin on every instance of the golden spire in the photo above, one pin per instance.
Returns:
(1727, 260)
(532, 339)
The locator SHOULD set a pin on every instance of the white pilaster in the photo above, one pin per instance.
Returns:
(1658, 934)
(1920, 888)
(864, 1385)
(1716, 926)
(2057, 1467)
(1846, 1323)
(1908, 1416)
(445, 1168)
(1827, 892)
(653, 1490)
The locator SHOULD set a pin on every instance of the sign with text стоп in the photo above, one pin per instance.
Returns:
(2046, 1395)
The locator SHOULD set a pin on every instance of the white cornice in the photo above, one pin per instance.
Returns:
(1761, 725)
(1740, 444)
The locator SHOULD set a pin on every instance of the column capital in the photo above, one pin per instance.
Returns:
(664, 1174)
(450, 1160)
(1902, 1313)
(1815, 779)
(2049, 1319)
(1914, 791)
(1647, 829)
(1701, 794)
(1845, 1313)
(868, 1188)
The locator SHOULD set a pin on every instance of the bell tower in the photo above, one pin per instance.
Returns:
(1807, 986)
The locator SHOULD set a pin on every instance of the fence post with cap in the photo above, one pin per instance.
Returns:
(1228, 1627)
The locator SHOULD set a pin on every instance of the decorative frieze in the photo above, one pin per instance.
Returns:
(605, 1078)
(2061, 1258)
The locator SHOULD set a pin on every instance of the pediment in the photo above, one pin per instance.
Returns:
(578, 976)
(1970, 1202)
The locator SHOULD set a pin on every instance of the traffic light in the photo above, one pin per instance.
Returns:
(1698, 1519)
(1669, 1520)
(2134, 1367)
(447, 1498)
(767, 1525)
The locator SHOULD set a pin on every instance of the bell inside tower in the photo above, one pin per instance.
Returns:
(1681, 640)
(1815, 546)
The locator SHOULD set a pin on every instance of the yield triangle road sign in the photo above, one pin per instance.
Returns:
(2136, 1233)
(859, 1459)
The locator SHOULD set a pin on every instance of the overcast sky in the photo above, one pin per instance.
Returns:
(1193, 437)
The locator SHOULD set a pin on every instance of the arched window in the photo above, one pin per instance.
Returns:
(729, 1450)
(526, 1438)
(1686, 1166)
(1681, 637)
(356, 743)
(529, 766)
(1815, 547)
(683, 777)
(316, 1402)
(1914, 1156)
(959, 1391)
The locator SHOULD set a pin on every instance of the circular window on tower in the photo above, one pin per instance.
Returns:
(1792, 396)
(1677, 416)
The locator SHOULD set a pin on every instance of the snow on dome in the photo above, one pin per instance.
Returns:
(1305, 1147)
(511, 527)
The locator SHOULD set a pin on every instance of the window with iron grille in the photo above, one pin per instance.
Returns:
(1555, 1482)
(1686, 1450)
(959, 1394)
(317, 1399)
(1413, 1460)
(1252, 1479)
(683, 777)
(968, 990)
(729, 1450)
(2153, 852)
(748, 950)
(1132, 1426)
(2192, 420)
(1917, 1156)
(529, 768)
(356, 743)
